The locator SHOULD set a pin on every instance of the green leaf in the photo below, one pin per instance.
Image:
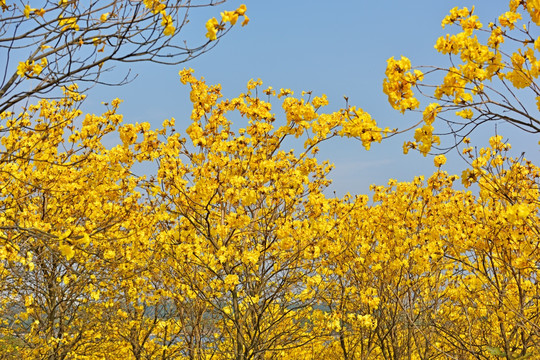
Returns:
(495, 351)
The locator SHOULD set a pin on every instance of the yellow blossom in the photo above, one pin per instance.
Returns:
(212, 28)
(439, 160)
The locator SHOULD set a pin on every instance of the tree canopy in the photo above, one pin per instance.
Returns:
(229, 247)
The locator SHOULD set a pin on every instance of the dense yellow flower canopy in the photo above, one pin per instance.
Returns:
(228, 247)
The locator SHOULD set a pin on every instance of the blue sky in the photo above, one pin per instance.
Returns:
(335, 48)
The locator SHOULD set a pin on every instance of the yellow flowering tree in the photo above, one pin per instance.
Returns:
(213, 255)
(427, 271)
(492, 278)
(381, 268)
(492, 77)
(53, 44)
(242, 222)
(74, 231)
(229, 249)
(496, 261)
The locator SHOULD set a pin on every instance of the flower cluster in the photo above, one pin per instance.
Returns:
(31, 68)
(399, 82)
(213, 26)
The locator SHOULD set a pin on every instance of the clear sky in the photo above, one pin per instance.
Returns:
(337, 48)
